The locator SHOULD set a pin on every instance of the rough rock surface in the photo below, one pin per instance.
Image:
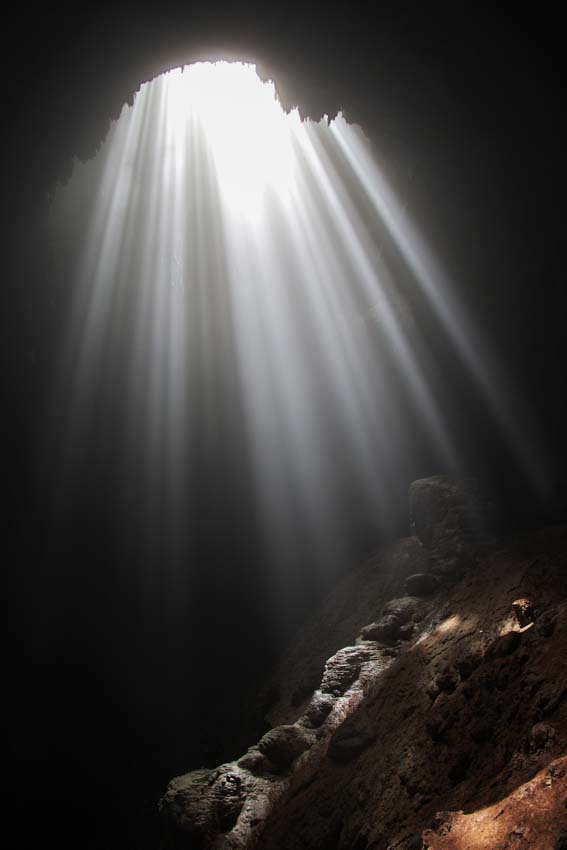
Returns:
(284, 744)
(444, 509)
(452, 737)
(357, 601)
(422, 584)
(527, 817)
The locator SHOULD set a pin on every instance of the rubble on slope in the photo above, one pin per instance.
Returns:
(448, 701)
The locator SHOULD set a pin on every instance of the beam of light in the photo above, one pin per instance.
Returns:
(236, 334)
(245, 126)
(469, 343)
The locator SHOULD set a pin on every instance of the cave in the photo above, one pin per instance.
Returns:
(149, 639)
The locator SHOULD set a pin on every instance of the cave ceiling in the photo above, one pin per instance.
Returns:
(417, 81)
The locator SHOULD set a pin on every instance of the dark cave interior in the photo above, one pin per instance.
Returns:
(464, 114)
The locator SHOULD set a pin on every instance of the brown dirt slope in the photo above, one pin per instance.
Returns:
(442, 725)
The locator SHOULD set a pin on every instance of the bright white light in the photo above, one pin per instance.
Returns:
(248, 134)
(230, 257)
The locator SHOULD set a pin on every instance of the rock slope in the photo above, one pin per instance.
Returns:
(425, 706)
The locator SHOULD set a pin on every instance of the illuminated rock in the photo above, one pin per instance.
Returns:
(455, 718)
(284, 744)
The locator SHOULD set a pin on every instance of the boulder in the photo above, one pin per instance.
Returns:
(203, 803)
(343, 669)
(284, 744)
(318, 709)
(396, 622)
(422, 584)
(254, 761)
(186, 806)
(541, 734)
(386, 630)
(404, 608)
(445, 510)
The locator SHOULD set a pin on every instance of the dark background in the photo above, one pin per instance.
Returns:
(107, 700)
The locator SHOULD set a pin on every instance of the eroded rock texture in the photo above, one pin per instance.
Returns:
(442, 726)
(445, 511)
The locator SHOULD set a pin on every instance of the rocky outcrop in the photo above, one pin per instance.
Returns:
(359, 600)
(527, 817)
(443, 726)
(445, 511)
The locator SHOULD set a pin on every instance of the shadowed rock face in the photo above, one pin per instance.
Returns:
(527, 817)
(284, 744)
(316, 64)
(464, 714)
(445, 512)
